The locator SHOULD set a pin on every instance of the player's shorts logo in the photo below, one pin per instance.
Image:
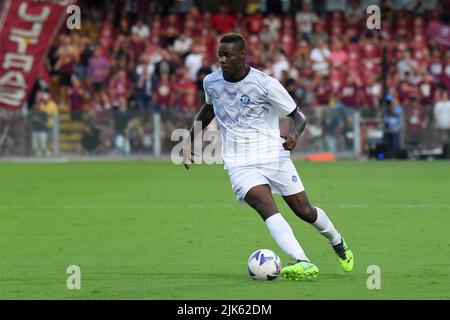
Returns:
(245, 100)
(294, 179)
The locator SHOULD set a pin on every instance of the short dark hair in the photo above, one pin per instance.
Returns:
(234, 38)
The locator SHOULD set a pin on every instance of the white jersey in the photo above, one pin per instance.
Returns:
(248, 114)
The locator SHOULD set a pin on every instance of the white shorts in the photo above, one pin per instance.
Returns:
(281, 176)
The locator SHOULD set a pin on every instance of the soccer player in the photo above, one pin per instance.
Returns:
(247, 104)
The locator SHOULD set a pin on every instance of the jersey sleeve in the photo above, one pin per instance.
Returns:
(280, 98)
(208, 99)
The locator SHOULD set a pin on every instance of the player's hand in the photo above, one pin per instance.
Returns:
(188, 156)
(290, 141)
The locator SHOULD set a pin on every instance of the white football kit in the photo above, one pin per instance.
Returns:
(248, 114)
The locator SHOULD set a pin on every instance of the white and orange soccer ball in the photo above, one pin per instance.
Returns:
(264, 264)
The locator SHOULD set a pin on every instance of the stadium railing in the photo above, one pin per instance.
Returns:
(150, 134)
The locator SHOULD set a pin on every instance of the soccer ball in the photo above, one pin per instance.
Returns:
(264, 264)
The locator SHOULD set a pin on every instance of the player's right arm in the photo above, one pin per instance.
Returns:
(205, 116)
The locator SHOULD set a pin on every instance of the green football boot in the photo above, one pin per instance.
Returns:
(301, 270)
(345, 255)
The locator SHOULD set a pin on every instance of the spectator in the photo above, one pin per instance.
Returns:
(441, 114)
(98, 72)
(163, 91)
(349, 92)
(135, 134)
(185, 90)
(47, 105)
(280, 64)
(427, 89)
(119, 87)
(273, 25)
(373, 93)
(67, 55)
(319, 33)
(445, 78)
(172, 29)
(119, 52)
(90, 138)
(194, 22)
(320, 56)
(86, 53)
(141, 30)
(407, 65)
(288, 83)
(144, 85)
(331, 127)
(223, 22)
(135, 48)
(266, 36)
(305, 20)
(405, 91)
(355, 10)
(165, 65)
(76, 96)
(121, 119)
(201, 74)
(194, 61)
(39, 133)
(338, 55)
(254, 23)
(287, 44)
(182, 44)
(322, 88)
(124, 27)
(436, 65)
(305, 86)
(415, 122)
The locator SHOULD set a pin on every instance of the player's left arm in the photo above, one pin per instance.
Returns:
(280, 99)
(296, 131)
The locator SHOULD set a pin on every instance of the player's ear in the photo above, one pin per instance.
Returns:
(243, 52)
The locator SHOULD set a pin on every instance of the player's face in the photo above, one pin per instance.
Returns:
(231, 58)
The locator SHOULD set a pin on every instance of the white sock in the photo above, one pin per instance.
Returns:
(284, 237)
(324, 225)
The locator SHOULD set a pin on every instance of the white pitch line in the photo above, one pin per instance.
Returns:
(119, 206)
(210, 206)
(393, 205)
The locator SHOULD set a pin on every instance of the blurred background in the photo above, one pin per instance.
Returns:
(121, 84)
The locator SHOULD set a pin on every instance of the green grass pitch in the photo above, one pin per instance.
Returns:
(151, 230)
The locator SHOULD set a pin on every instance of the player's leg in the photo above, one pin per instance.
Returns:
(284, 179)
(260, 198)
(251, 187)
(299, 203)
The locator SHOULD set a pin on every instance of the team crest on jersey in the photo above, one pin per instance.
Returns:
(294, 179)
(245, 100)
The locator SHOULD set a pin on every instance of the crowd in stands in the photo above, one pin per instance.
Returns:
(152, 55)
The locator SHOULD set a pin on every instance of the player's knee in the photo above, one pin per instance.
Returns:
(263, 206)
(307, 213)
